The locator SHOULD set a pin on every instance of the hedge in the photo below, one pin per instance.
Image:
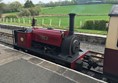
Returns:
(95, 25)
(11, 16)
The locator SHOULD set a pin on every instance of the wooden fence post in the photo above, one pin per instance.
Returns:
(59, 22)
(6, 20)
(3, 19)
(14, 20)
(10, 19)
(18, 20)
(80, 23)
(42, 21)
(50, 22)
(23, 20)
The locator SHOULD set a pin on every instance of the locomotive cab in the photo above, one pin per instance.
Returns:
(110, 68)
(60, 46)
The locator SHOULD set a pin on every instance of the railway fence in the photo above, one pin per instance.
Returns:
(57, 22)
(41, 22)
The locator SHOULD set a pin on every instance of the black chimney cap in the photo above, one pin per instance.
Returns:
(72, 14)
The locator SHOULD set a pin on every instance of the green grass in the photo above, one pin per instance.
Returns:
(97, 9)
(102, 9)
(13, 13)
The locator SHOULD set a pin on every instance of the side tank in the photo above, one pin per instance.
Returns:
(48, 36)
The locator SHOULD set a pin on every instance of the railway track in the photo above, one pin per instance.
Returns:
(97, 57)
(6, 39)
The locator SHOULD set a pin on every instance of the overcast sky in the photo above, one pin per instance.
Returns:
(34, 1)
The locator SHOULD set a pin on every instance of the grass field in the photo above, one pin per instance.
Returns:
(97, 9)
(102, 9)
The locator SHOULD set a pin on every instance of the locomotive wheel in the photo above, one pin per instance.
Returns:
(15, 47)
(70, 45)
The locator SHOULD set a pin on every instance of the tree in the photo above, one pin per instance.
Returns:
(15, 6)
(34, 11)
(25, 12)
(28, 4)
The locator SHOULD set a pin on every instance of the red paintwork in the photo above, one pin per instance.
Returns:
(66, 33)
(27, 38)
(111, 62)
(73, 64)
(51, 37)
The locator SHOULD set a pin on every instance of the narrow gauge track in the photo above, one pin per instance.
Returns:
(6, 34)
(89, 70)
(6, 39)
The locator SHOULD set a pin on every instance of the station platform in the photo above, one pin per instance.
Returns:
(20, 67)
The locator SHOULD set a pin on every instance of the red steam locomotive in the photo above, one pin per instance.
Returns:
(63, 46)
(60, 46)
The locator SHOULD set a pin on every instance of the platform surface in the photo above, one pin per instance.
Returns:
(19, 67)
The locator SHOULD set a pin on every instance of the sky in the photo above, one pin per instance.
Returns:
(34, 1)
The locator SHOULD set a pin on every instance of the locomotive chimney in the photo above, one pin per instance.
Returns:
(71, 23)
